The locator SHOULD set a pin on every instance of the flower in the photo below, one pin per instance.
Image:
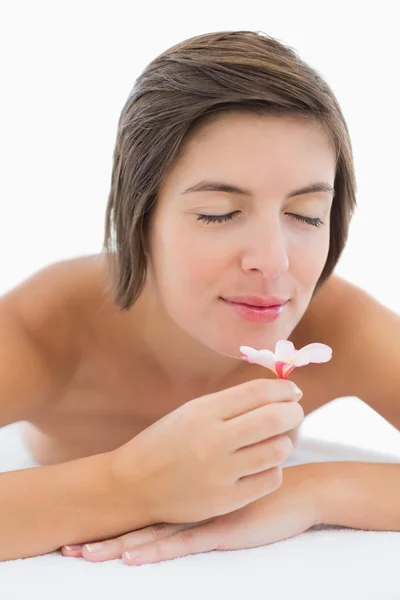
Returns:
(286, 357)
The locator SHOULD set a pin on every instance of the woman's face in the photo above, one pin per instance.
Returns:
(264, 249)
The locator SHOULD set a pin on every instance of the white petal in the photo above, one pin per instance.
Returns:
(316, 353)
(284, 350)
(247, 350)
(251, 353)
(264, 358)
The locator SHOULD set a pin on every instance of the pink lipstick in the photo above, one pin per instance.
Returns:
(265, 312)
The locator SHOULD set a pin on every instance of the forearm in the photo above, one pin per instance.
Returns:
(43, 508)
(358, 495)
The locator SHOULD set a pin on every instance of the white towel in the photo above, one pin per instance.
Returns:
(325, 562)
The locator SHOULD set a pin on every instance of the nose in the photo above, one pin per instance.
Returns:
(265, 250)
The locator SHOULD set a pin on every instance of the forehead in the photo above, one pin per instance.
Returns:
(262, 147)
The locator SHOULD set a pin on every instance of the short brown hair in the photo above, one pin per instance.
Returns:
(180, 89)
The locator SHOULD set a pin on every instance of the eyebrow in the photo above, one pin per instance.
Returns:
(216, 186)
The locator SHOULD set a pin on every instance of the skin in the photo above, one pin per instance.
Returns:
(180, 341)
(262, 250)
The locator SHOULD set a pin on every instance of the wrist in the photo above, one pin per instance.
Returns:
(127, 499)
(319, 488)
(305, 483)
(334, 490)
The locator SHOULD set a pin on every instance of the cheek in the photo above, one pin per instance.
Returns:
(186, 264)
(201, 269)
(307, 261)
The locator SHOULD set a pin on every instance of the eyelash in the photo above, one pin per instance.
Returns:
(315, 222)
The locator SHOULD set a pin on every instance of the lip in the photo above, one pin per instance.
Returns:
(257, 314)
(257, 301)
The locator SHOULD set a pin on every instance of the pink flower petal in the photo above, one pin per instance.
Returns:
(316, 353)
(284, 350)
(287, 369)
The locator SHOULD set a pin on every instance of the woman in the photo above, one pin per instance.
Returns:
(232, 188)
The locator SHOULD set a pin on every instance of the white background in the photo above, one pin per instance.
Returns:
(68, 67)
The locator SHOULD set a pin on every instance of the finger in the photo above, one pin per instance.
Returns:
(252, 487)
(237, 400)
(114, 548)
(263, 456)
(190, 541)
(74, 551)
(263, 423)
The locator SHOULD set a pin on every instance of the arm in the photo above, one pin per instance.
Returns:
(45, 507)
(357, 494)
(39, 343)
(364, 335)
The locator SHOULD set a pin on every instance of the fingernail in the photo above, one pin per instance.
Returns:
(298, 394)
(131, 554)
(73, 547)
(94, 547)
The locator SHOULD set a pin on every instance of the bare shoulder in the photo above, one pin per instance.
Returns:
(368, 342)
(363, 334)
(325, 321)
(42, 321)
(52, 303)
(346, 316)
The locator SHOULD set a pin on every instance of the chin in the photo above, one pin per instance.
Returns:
(230, 345)
(266, 338)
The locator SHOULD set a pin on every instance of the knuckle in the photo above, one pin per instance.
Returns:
(276, 418)
(120, 543)
(198, 411)
(186, 538)
(260, 461)
(293, 434)
(157, 551)
(257, 387)
(188, 411)
(282, 449)
(271, 481)
(158, 529)
(276, 478)
(285, 416)
(298, 413)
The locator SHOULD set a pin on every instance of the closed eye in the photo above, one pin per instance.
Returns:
(217, 218)
(315, 222)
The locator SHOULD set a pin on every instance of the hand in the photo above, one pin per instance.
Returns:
(210, 456)
(285, 513)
